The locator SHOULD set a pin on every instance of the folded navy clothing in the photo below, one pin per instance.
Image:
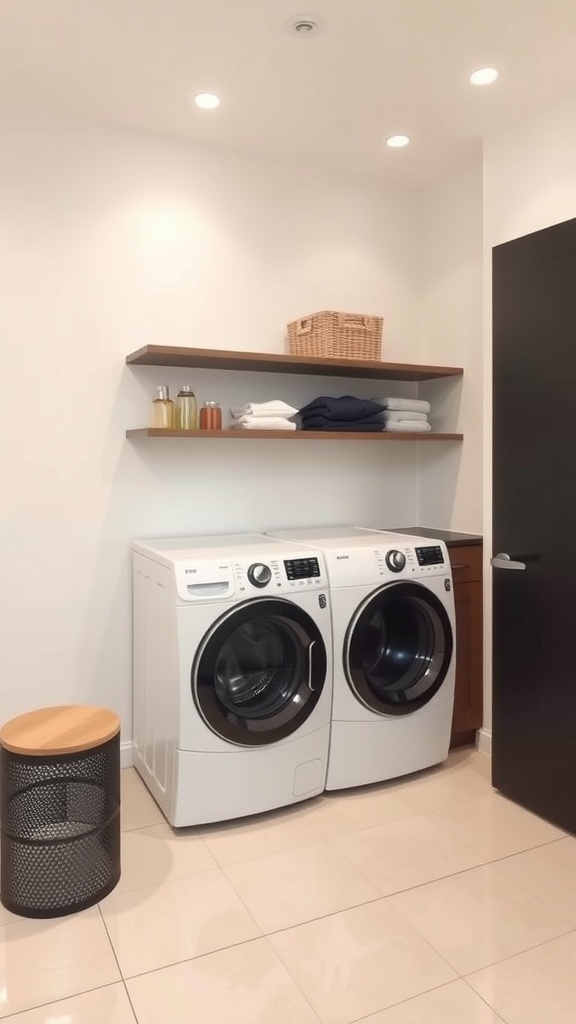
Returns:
(372, 426)
(340, 409)
(317, 422)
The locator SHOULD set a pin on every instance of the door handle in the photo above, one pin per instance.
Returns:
(503, 561)
(310, 649)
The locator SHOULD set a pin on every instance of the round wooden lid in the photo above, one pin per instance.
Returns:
(63, 730)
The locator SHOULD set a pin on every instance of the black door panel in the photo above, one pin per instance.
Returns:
(534, 484)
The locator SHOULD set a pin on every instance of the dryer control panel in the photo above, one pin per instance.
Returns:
(356, 566)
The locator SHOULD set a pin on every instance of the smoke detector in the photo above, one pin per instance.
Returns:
(306, 25)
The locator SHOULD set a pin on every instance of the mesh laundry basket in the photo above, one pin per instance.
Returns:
(60, 810)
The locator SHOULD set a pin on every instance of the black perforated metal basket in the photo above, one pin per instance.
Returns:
(60, 829)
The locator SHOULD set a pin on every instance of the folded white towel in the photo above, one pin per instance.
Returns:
(262, 423)
(404, 404)
(274, 408)
(400, 417)
(407, 427)
(244, 421)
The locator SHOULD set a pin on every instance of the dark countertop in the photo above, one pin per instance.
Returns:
(450, 538)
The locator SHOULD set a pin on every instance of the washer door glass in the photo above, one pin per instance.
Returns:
(398, 649)
(259, 672)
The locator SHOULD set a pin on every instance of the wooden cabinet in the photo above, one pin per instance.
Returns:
(466, 562)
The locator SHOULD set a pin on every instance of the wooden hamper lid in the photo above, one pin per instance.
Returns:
(61, 730)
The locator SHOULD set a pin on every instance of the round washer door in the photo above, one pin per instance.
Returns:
(398, 649)
(259, 672)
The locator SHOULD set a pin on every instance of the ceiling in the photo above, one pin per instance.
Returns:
(380, 67)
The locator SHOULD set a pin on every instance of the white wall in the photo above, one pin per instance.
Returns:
(111, 240)
(450, 476)
(529, 184)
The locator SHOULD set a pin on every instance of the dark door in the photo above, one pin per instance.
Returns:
(398, 649)
(259, 672)
(534, 522)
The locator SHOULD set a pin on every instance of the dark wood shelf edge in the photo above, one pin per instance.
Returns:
(263, 362)
(141, 433)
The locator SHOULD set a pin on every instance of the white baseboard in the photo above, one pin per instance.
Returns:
(126, 756)
(484, 741)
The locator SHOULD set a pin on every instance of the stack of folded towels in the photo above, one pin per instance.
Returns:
(405, 415)
(344, 414)
(274, 415)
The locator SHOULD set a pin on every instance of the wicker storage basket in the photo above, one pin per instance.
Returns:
(331, 335)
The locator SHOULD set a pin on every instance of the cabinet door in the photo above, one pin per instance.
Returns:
(468, 695)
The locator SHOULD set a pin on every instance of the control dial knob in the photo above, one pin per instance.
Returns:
(259, 574)
(395, 560)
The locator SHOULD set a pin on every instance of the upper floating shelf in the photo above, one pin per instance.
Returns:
(216, 359)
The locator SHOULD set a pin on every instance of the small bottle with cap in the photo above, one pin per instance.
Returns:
(162, 417)
(186, 409)
(211, 416)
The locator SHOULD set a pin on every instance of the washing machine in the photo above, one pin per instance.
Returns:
(232, 674)
(394, 651)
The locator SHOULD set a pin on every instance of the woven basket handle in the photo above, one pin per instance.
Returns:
(304, 326)
(355, 322)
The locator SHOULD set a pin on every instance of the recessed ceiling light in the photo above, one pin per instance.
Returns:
(207, 100)
(397, 141)
(484, 76)
(306, 25)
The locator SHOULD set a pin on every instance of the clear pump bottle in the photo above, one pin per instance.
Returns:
(162, 416)
(186, 409)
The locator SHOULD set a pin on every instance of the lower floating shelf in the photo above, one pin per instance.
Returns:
(290, 435)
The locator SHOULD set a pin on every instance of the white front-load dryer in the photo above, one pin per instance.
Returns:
(232, 674)
(394, 652)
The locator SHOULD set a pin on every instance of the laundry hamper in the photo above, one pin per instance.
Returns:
(60, 810)
(332, 335)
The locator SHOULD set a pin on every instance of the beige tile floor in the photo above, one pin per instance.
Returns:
(431, 899)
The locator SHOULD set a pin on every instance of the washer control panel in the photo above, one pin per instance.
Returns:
(211, 579)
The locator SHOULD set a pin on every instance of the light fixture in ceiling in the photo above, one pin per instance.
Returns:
(207, 100)
(306, 25)
(398, 141)
(484, 76)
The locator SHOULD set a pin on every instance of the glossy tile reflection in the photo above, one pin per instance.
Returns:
(425, 899)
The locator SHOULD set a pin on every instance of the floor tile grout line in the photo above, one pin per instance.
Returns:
(520, 885)
(157, 885)
(392, 1006)
(129, 998)
(192, 959)
(485, 1001)
(354, 831)
(521, 952)
(293, 979)
(61, 999)
(109, 937)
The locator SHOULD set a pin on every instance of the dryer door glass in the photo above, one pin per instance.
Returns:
(399, 648)
(259, 672)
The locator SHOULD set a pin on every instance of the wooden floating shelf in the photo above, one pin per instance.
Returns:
(289, 435)
(262, 362)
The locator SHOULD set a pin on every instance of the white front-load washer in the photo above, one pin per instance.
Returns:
(232, 674)
(394, 651)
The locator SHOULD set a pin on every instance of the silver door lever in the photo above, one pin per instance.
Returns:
(503, 561)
